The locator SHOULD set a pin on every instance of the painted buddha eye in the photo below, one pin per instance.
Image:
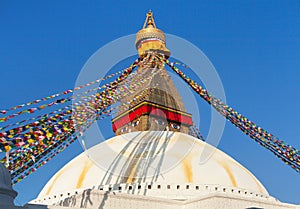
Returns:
(124, 129)
(175, 126)
(134, 124)
(159, 122)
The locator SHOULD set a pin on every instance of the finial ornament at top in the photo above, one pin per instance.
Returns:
(150, 38)
(149, 22)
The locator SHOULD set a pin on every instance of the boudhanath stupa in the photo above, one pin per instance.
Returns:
(153, 159)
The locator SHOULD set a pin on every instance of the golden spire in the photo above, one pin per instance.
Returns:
(160, 107)
(149, 38)
(149, 20)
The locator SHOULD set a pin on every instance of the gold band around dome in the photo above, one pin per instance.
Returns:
(150, 33)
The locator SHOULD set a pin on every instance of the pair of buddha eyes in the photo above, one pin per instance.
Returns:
(134, 124)
(173, 125)
(159, 122)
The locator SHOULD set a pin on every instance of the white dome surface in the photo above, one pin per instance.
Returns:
(152, 157)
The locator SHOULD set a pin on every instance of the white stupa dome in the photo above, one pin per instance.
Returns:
(160, 158)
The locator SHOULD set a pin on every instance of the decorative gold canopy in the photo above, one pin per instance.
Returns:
(149, 38)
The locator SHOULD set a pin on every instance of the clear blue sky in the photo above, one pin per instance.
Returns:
(254, 46)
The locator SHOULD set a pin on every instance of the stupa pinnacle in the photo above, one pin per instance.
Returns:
(162, 107)
(150, 38)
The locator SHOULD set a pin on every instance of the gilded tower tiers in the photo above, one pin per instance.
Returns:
(161, 107)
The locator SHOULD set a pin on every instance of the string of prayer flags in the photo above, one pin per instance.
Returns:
(288, 154)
